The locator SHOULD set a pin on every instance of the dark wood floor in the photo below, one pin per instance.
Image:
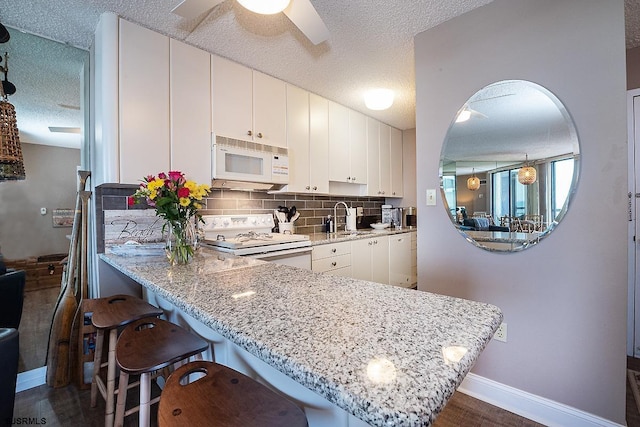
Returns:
(71, 407)
(34, 327)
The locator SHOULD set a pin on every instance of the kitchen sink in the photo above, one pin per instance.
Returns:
(354, 233)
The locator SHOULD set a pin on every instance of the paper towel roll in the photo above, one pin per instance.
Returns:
(351, 220)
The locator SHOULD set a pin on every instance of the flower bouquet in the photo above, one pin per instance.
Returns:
(177, 201)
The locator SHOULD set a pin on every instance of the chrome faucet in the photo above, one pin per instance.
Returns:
(335, 216)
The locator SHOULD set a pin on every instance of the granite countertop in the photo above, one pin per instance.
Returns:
(325, 238)
(390, 356)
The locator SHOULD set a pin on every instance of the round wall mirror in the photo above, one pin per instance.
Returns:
(509, 166)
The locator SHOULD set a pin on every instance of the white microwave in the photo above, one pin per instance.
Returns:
(248, 165)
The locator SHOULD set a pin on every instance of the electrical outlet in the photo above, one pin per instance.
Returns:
(501, 333)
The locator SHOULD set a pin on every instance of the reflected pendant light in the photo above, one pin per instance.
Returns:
(265, 7)
(473, 183)
(11, 160)
(527, 174)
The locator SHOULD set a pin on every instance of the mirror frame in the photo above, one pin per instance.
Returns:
(516, 245)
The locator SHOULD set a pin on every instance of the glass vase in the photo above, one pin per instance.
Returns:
(181, 241)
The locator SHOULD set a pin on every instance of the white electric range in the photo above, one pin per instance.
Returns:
(251, 235)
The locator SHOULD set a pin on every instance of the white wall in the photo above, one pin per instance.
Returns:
(564, 299)
(51, 182)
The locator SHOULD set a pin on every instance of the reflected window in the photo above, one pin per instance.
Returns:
(561, 175)
(510, 198)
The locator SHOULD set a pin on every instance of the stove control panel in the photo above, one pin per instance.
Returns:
(239, 223)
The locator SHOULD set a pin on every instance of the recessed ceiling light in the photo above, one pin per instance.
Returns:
(265, 7)
(378, 99)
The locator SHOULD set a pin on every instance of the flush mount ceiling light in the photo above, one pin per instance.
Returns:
(527, 174)
(473, 183)
(265, 7)
(378, 99)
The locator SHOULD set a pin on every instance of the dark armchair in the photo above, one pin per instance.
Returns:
(11, 298)
(9, 353)
(480, 224)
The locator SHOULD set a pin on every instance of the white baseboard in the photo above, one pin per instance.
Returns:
(535, 408)
(31, 379)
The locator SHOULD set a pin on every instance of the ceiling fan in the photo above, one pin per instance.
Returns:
(300, 12)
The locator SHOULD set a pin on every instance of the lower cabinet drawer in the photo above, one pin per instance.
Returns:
(331, 250)
(332, 263)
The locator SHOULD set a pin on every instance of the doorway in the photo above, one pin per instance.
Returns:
(633, 297)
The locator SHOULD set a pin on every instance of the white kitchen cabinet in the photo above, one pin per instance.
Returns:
(190, 104)
(247, 104)
(397, 189)
(333, 258)
(347, 145)
(144, 136)
(400, 260)
(307, 141)
(370, 259)
(378, 161)
(414, 258)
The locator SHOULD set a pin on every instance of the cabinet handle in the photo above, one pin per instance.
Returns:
(333, 264)
(307, 187)
(375, 242)
(315, 188)
(394, 193)
(249, 133)
(353, 179)
(259, 134)
(333, 250)
(370, 243)
(348, 178)
(383, 192)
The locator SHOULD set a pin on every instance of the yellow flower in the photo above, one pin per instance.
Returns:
(152, 194)
(192, 186)
(184, 201)
(197, 205)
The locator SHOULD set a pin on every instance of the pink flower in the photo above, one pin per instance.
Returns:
(131, 201)
(162, 175)
(175, 176)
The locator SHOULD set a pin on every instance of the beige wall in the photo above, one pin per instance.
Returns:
(565, 299)
(633, 68)
(50, 183)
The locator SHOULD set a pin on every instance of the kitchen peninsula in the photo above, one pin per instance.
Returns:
(350, 352)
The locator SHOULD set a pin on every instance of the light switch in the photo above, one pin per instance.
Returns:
(431, 197)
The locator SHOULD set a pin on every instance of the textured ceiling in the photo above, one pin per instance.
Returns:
(371, 41)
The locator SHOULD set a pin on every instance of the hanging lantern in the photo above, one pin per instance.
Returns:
(11, 161)
(473, 183)
(527, 174)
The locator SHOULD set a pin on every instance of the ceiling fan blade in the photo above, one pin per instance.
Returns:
(304, 16)
(193, 8)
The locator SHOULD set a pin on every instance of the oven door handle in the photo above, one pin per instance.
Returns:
(282, 253)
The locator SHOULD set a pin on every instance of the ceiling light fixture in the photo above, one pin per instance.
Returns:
(527, 174)
(473, 183)
(463, 115)
(265, 7)
(378, 99)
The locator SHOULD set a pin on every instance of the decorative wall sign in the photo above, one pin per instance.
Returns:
(140, 225)
(63, 217)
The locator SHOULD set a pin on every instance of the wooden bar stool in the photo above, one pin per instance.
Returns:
(109, 314)
(147, 346)
(223, 397)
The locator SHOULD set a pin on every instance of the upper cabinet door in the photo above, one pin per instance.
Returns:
(232, 99)
(298, 139)
(318, 144)
(358, 147)
(385, 159)
(373, 157)
(190, 77)
(339, 166)
(269, 110)
(397, 189)
(143, 92)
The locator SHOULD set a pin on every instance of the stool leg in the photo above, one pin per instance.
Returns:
(122, 398)
(97, 361)
(111, 378)
(145, 397)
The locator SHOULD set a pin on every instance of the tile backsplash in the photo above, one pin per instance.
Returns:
(313, 208)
